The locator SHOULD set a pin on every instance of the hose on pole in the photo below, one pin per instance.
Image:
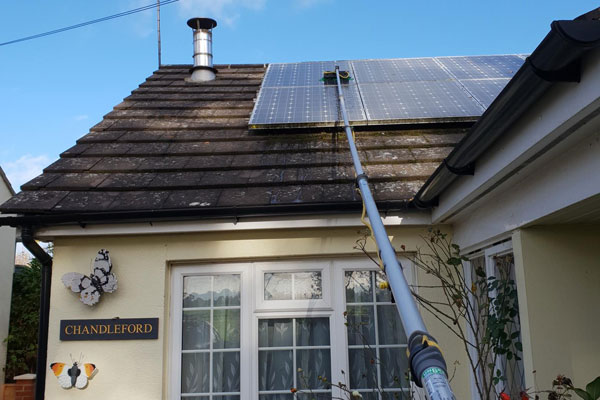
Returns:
(427, 365)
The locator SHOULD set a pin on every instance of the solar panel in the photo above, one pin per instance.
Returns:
(294, 94)
(400, 70)
(479, 67)
(300, 74)
(305, 105)
(485, 90)
(382, 91)
(417, 100)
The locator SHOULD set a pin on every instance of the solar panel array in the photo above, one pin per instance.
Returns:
(382, 91)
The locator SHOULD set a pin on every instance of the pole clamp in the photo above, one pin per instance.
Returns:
(359, 177)
(423, 352)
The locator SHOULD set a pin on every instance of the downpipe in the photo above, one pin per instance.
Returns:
(27, 238)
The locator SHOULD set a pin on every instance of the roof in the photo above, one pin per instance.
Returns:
(175, 146)
(556, 59)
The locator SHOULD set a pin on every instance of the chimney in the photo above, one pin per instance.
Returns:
(202, 70)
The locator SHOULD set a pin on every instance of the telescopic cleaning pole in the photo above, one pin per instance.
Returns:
(427, 364)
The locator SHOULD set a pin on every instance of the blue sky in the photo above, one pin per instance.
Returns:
(55, 88)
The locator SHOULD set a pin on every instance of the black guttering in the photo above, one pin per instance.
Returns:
(273, 210)
(27, 237)
(556, 59)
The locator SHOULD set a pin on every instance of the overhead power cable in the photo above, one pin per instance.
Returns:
(94, 21)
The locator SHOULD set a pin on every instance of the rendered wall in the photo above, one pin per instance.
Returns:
(138, 369)
(7, 266)
(558, 270)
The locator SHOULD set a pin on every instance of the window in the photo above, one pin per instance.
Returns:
(293, 353)
(293, 285)
(372, 319)
(253, 331)
(498, 262)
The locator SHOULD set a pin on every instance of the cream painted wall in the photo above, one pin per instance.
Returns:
(7, 266)
(138, 369)
(558, 272)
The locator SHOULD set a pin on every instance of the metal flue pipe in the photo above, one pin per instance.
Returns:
(203, 69)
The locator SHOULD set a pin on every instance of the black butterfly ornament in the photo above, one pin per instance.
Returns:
(93, 286)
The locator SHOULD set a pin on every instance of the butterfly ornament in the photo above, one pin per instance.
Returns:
(91, 287)
(76, 375)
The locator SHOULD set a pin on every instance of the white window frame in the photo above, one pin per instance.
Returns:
(177, 275)
(322, 266)
(254, 307)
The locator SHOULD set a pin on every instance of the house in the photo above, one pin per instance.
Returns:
(7, 266)
(242, 241)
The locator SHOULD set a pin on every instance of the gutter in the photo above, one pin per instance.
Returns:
(273, 210)
(27, 238)
(556, 59)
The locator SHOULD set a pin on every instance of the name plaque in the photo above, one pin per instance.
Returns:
(109, 329)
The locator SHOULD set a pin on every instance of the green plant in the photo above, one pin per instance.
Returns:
(591, 392)
(24, 321)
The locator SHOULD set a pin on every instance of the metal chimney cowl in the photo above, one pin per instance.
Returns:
(202, 70)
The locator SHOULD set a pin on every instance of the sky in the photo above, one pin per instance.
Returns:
(54, 89)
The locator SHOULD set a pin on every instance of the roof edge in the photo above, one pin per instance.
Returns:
(8, 184)
(556, 59)
(200, 213)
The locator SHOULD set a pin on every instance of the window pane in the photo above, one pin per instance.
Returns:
(293, 285)
(393, 395)
(361, 325)
(196, 330)
(363, 368)
(382, 295)
(372, 366)
(226, 371)
(370, 394)
(307, 285)
(226, 331)
(230, 397)
(394, 367)
(276, 396)
(278, 286)
(195, 370)
(389, 325)
(314, 363)
(196, 291)
(275, 333)
(227, 290)
(313, 396)
(312, 332)
(208, 329)
(359, 287)
(275, 370)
